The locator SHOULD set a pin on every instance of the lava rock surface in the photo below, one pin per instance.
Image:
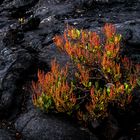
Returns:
(26, 31)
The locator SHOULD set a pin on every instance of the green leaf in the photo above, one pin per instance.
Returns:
(89, 84)
(108, 90)
(96, 85)
(77, 107)
(78, 32)
(88, 45)
(49, 101)
(108, 53)
(138, 82)
(69, 113)
(126, 86)
(108, 70)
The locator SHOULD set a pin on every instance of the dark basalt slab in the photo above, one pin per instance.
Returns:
(35, 126)
(5, 135)
(10, 77)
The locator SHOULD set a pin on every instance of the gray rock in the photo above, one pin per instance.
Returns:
(130, 31)
(19, 46)
(35, 126)
(111, 128)
(5, 135)
(22, 3)
(15, 64)
(124, 138)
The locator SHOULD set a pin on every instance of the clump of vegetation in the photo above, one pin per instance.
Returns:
(52, 91)
(102, 75)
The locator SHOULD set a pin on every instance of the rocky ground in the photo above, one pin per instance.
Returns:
(26, 31)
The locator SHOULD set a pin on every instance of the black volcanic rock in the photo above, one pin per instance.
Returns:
(27, 28)
(35, 126)
(5, 135)
(31, 24)
(15, 63)
(13, 36)
(23, 3)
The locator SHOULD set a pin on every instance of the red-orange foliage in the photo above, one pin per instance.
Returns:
(103, 76)
(109, 30)
(52, 90)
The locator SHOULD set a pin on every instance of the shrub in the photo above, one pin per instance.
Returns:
(52, 91)
(102, 75)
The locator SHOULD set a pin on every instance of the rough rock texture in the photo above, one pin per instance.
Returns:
(10, 75)
(26, 31)
(5, 135)
(36, 126)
